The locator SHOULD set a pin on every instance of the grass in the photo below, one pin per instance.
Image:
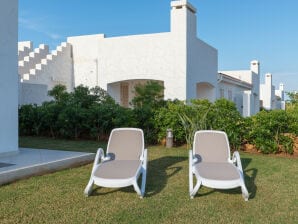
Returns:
(58, 197)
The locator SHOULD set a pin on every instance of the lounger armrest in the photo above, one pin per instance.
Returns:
(106, 158)
(100, 156)
(236, 159)
(144, 156)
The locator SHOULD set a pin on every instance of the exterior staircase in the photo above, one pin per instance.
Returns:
(32, 59)
(24, 48)
(52, 69)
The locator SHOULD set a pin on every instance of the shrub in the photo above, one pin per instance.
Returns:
(225, 117)
(194, 118)
(83, 113)
(268, 127)
(30, 119)
(148, 99)
(168, 117)
(286, 144)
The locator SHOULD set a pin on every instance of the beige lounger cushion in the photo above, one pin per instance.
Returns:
(211, 147)
(217, 171)
(126, 145)
(118, 169)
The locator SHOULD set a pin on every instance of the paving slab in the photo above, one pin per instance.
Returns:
(30, 162)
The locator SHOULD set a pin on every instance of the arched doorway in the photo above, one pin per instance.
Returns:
(205, 91)
(123, 91)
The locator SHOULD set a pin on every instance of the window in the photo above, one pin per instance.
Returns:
(230, 95)
(221, 93)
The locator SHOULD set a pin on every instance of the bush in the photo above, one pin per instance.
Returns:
(83, 113)
(30, 119)
(92, 113)
(225, 117)
(267, 130)
(287, 144)
(168, 117)
(194, 118)
(148, 99)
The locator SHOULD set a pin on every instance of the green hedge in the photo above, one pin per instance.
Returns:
(91, 113)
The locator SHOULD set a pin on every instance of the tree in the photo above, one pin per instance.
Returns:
(148, 98)
(149, 94)
(293, 97)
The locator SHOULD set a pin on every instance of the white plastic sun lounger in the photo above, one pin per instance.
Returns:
(126, 160)
(210, 162)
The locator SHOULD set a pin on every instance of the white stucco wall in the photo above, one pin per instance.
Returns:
(247, 103)
(151, 57)
(236, 92)
(201, 68)
(252, 77)
(85, 59)
(178, 58)
(270, 97)
(33, 93)
(244, 75)
(8, 76)
(160, 56)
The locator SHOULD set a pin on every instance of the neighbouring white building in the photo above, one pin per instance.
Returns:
(186, 66)
(269, 97)
(9, 77)
(242, 87)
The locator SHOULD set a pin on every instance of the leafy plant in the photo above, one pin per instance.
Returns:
(194, 119)
(267, 130)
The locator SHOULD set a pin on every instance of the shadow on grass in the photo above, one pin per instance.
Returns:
(249, 175)
(158, 173)
(160, 170)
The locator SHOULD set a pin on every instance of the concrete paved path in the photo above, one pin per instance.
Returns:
(29, 162)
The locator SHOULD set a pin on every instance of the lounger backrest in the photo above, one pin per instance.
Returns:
(211, 146)
(126, 144)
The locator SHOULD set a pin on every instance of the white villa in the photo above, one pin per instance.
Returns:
(185, 65)
(270, 97)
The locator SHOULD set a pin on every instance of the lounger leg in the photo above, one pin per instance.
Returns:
(195, 190)
(88, 188)
(137, 189)
(190, 173)
(190, 182)
(245, 194)
(144, 174)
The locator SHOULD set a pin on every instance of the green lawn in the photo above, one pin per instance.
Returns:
(58, 197)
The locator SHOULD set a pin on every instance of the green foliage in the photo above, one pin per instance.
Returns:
(292, 111)
(148, 99)
(293, 97)
(82, 113)
(267, 131)
(149, 94)
(266, 146)
(287, 144)
(185, 119)
(194, 118)
(92, 113)
(168, 117)
(30, 119)
(225, 117)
